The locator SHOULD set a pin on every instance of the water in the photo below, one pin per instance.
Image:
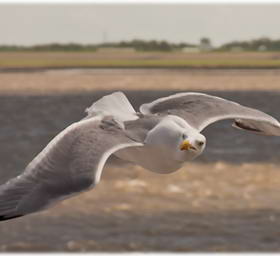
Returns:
(96, 222)
(29, 122)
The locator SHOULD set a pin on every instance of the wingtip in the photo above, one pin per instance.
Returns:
(5, 217)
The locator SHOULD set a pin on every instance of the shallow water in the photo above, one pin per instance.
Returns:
(29, 122)
(117, 219)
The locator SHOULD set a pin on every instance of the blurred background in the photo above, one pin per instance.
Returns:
(55, 60)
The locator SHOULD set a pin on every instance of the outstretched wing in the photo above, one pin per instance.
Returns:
(71, 163)
(200, 110)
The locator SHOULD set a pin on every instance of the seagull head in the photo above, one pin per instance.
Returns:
(191, 145)
(175, 136)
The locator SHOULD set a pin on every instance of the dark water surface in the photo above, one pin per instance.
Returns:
(28, 123)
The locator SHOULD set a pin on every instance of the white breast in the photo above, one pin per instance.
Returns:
(155, 159)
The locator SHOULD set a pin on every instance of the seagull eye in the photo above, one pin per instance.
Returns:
(184, 136)
(200, 143)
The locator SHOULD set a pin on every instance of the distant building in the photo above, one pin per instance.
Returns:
(236, 49)
(262, 48)
(115, 49)
(190, 49)
(205, 45)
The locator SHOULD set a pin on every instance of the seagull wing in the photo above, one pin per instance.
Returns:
(71, 163)
(115, 104)
(200, 110)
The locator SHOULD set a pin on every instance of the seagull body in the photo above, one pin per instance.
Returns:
(162, 137)
(162, 152)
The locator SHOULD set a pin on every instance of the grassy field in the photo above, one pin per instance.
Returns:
(138, 60)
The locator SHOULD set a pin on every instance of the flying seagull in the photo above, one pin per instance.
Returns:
(161, 138)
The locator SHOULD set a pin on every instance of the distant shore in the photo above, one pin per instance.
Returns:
(40, 81)
(165, 68)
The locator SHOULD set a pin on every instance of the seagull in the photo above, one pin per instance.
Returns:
(161, 137)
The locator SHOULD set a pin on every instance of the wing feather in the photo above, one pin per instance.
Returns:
(200, 110)
(71, 163)
(115, 104)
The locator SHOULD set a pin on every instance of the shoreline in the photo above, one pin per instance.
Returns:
(76, 80)
(154, 68)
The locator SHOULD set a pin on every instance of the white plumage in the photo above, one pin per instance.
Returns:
(162, 138)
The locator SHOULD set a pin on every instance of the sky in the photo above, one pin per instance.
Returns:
(30, 24)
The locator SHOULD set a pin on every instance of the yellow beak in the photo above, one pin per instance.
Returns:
(186, 145)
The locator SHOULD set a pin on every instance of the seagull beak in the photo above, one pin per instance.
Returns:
(186, 145)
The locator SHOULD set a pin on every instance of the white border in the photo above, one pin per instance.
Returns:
(139, 1)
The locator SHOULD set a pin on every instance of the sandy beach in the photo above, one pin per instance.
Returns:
(85, 80)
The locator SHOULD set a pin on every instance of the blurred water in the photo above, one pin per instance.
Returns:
(28, 123)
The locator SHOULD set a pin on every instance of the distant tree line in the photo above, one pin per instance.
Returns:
(261, 44)
(49, 47)
(153, 45)
(138, 45)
